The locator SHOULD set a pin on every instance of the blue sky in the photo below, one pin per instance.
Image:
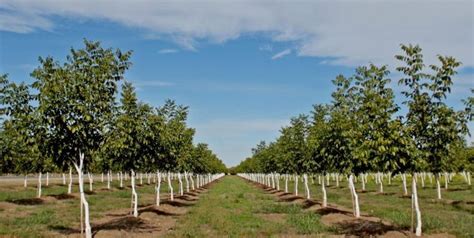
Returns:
(243, 70)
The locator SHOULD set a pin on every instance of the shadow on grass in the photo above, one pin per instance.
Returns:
(309, 203)
(128, 223)
(187, 198)
(62, 196)
(328, 210)
(153, 209)
(177, 203)
(363, 228)
(291, 199)
(26, 201)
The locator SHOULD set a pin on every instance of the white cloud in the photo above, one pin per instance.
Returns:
(167, 51)
(349, 32)
(150, 83)
(281, 54)
(266, 47)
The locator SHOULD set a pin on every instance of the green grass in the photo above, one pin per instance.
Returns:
(52, 215)
(437, 216)
(235, 208)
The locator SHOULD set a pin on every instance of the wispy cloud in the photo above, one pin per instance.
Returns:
(335, 29)
(168, 51)
(151, 83)
(281, 54)
(266, 47)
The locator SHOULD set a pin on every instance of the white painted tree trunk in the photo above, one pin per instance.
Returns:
(158, 186)
(148, 177)
(170, 187)
(327, 179)
(286, 183)
(192, 181)
(121, 179)
(354, 196)
(305, 177)
(404, 183)
(312, 179)
(438, 186)
(296, 185)
(84, 203)
(64, 179)
(380, 184)
(39, 185)
(69, 188)
(186, 180)
(91, 181)
(319, 179)
(446, 180)
(141, 178)
(278, 181)
(47, 179)
(181, 192)
(102, 177)
(337, 180)
(323, 189)
(25, 181)
(108, 179)
(416, 206)
(363, 181)
(134, 194)
(389, 178)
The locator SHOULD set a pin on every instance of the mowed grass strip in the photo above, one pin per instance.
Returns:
(235, 208)
(53, 216)
(454, 214)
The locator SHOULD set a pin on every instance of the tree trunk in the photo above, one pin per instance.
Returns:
(337, 180)
(64, 179)
(355, 197)
(102, 177)
(327, 179)
(134, 194)
(363, 181)
(319, 179)
(286, 183)
(380, 183)
(416, 206)
(305, 177)
(186, 179)
(192, 181)
(91, 180)
(181, 190)
(278, 181)
(404, 182)
(121, 179)
(170, 187)
(108, 179)
(25, 181)
(47, 179)
(141, 178)
(446, 180)
(84, 203)
(148, 177)
(158, 186)
(323, 189)
(296, 185)
(438, 186)
(39, 185)
(69, 188)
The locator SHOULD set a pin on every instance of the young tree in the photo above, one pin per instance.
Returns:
(75, 101)
(434, 127)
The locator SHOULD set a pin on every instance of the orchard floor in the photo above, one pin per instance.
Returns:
(233, 207)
